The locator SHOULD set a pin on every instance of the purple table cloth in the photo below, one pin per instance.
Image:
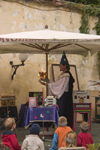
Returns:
(41, 114)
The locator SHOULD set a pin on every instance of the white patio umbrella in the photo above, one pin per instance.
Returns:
(49, 41)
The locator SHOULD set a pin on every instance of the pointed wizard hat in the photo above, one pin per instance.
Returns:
(64, 59)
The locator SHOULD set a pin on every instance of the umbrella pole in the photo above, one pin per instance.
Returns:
(47, 73)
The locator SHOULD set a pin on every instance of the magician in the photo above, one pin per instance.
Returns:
(62, 89)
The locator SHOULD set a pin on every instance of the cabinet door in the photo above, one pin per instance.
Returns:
(79, 117)
(94, 94)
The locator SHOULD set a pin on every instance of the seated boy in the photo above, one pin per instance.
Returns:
(9, 138)
(60, 134)
(84, 138)
(32, 141)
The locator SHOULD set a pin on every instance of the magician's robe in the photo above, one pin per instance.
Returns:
(62, 89)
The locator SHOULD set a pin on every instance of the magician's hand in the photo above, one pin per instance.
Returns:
(44, 83)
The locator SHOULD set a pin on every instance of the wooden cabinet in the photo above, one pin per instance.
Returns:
(7, 99)
(93, 94)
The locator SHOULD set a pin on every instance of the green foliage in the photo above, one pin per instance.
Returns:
(88, 8)
(99, 63)
(86, 2)
(84, 28)
(97, 26)
(93, 146)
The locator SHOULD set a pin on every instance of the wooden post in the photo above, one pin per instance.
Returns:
(47, 73)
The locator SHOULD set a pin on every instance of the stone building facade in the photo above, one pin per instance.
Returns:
(19, 16)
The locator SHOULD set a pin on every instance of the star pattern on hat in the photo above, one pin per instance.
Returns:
(64, 59)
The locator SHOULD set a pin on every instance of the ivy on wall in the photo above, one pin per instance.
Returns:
(84, 28)
(99, 63)
(97, 27)
(88, 10)
(86, 2)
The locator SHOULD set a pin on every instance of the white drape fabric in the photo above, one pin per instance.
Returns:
(60, 86)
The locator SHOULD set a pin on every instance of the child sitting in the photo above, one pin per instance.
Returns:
(32, 141)
(84, 137)
(60, 134)
(71, 139)
(9, 138)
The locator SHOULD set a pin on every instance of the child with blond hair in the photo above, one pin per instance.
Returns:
(71, 139)
(84, 137)
(60, 133)
(9, 138)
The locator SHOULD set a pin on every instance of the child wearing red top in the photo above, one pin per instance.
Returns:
(84, 137)
(9, 138)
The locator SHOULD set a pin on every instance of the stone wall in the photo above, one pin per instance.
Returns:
(15, 17)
